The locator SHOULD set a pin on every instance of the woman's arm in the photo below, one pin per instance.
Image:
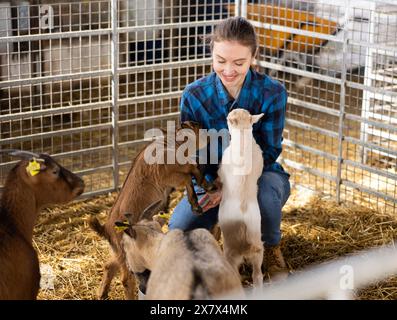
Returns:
(269, 134)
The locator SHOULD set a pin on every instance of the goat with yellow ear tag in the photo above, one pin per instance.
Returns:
(121, 225)
(35, 166)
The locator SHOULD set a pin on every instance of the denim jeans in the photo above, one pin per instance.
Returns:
(273, 193)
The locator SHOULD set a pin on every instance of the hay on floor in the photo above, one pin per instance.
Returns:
(314, 231)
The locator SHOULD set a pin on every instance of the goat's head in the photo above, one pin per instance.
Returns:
(242, 119)
(140, 237)
(50, 182)
(200, 135)
(133, 225)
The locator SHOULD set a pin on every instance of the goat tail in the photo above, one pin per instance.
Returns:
(99, 228)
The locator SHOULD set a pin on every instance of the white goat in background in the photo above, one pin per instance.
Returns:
(239, 215)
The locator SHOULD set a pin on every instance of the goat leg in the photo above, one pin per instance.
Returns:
(129, 283)
(192, 197)
(110, 270)
(256, 260)
(201, 181)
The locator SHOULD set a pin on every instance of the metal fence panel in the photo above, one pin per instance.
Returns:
(337, 61)
(84, 83)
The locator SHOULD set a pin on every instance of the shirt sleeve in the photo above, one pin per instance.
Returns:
(186, 108)
(272, 126)
(187, 105)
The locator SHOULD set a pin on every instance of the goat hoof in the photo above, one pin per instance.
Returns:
(197, 211)
(209, 187)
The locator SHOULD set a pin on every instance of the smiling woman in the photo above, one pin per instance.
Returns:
(231, 63)
(235, 84)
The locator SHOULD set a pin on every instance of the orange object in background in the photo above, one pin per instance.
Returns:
(275, 41)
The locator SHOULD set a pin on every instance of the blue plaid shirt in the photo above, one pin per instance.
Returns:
(206, 101)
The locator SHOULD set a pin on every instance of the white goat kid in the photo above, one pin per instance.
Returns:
(239, 215)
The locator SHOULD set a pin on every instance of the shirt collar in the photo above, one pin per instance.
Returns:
(224, 96)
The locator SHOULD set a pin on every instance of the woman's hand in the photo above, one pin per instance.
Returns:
(212, 199)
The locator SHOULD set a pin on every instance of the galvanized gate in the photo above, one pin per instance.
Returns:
(83, 80)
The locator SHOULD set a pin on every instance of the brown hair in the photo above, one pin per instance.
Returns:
(236, 29)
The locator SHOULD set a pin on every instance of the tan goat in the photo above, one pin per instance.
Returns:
(33, 183)
(183, 265)
(146, 184)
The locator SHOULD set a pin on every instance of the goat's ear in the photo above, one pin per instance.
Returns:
(124, 226)
(255, 118)
(232, 122)
(121, 225)
(26, 155)
(35, 166)
(160, 218)
(131, 232)
(149, 211)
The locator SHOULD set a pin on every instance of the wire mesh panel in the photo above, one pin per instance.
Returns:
(337, 62)
(165, 51)
(84, 80)
(84, 84)
(55, 84)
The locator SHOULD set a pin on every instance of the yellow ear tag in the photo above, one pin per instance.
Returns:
(121, 226)
(33, 167)
(163, 215)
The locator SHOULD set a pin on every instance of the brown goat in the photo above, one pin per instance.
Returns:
(144, 185)
(182, 265)
(33, 183)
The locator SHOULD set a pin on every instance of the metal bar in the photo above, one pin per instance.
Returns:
(94, 170)
(342, 103)
(55, 35)
(244, 5)
(302, 32)
(313, 106)
(390, 152)
(165, 26)
(162, 66)
(125, 163)
(55, 133)
(151, 97)
(374, 92)
(375, 47)
(365, 167)
(369, 191)
(380, 77)
(237, 8)
(309, 127)
(60, 77)
(381, 125)
(310, 170)
(91, 194)
(53, 111)
(317, 152)
(133, 143)
(129, 122)
(115, 94)
(298, 72)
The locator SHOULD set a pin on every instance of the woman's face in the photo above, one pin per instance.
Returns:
(231, 62)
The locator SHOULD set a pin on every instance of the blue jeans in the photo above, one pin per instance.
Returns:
(274, 190)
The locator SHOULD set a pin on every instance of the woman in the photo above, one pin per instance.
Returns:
(234, 84)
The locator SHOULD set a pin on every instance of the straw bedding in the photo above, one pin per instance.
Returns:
(314, 229)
